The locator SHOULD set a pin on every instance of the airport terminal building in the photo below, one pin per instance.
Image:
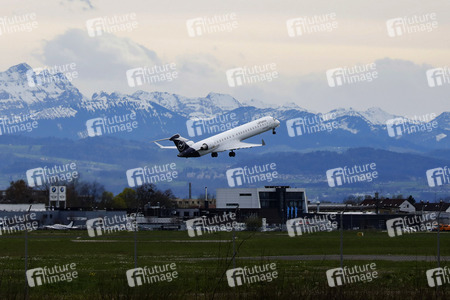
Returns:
(275, 203)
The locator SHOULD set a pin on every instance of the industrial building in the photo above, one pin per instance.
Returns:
(275, 203)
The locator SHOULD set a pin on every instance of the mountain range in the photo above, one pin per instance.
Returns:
(63, 132)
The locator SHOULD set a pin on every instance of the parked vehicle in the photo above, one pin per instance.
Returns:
(444, 227)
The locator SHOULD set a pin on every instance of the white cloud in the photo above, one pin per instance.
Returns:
(261, 38)
(400, 88)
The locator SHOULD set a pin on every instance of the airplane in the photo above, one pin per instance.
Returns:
(229, 140)
(61, 226)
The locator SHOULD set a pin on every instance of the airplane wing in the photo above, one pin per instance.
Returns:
(237, 145)
(165, 147)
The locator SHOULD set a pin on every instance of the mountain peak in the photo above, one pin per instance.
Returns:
(256, 103)
(212, 94)
(291, 105)
(20, 68)
(374, 115)
(377, 116)
(223, 101)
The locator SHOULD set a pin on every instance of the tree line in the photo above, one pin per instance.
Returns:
(90, 195)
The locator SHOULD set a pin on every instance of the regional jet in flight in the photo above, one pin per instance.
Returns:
(229, 140)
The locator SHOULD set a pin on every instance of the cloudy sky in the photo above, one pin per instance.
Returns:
(260, 36)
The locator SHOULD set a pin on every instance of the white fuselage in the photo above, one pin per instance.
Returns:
(221, 141)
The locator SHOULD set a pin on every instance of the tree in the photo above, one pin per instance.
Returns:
(411, 199)
(91, 193)
(107, 200)
(253, 223)
(129, 197)
(148, 193)
(118, 203)
(165, 199)
(145, 194)
(19, 192)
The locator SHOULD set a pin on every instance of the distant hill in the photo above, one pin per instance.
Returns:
(106, 160)
(305, 146)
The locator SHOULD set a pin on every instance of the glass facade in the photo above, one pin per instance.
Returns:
(272, 200)
(268, 199)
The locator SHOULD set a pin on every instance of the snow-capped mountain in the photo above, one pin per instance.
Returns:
(374, 115)
(24, 91)
(212, 104)
(63, 111)
(256, 103)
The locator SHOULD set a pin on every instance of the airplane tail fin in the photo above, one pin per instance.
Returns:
(180, 142)
(70, 224)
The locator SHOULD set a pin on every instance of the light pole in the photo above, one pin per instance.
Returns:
(438, 236)
(26, 252)
(342, 236)
(236, 205)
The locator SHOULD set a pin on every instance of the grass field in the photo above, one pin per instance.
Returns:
(201, 263)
